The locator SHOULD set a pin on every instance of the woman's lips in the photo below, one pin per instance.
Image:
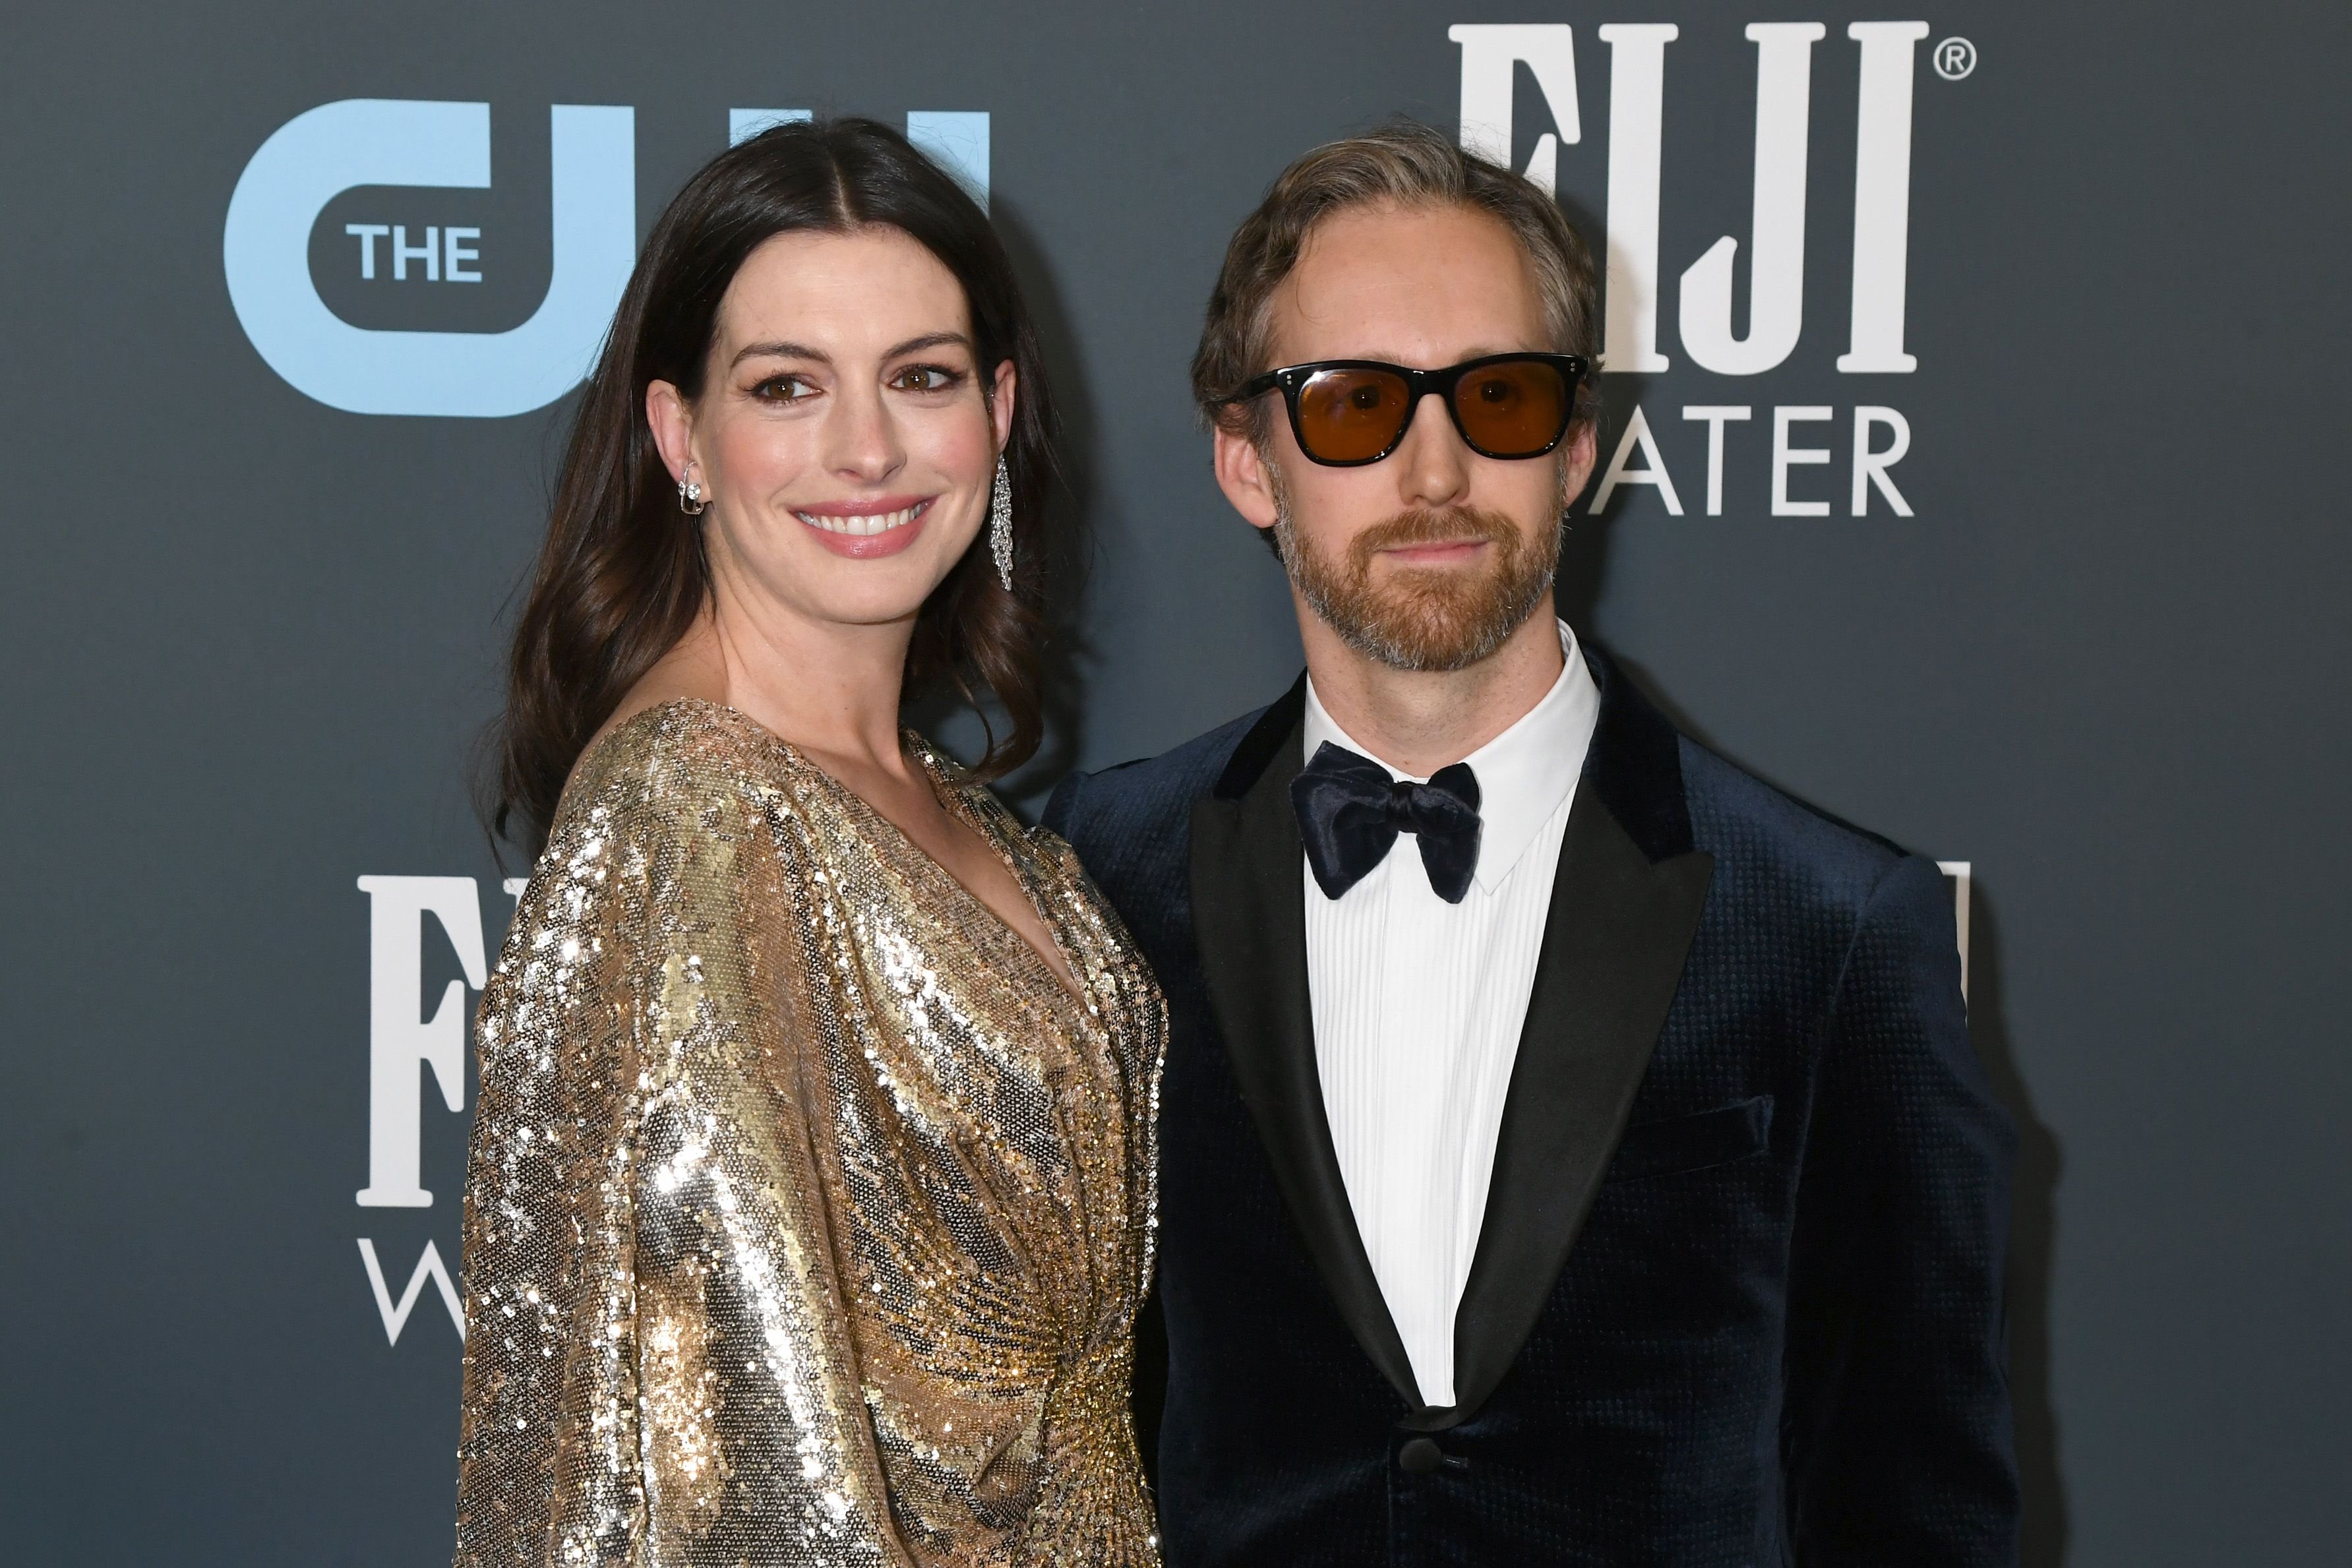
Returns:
(863, 530)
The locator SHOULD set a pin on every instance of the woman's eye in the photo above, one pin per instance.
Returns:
(925, 378)
(783, 389)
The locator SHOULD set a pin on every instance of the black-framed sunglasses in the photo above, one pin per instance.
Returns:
(1350, 412)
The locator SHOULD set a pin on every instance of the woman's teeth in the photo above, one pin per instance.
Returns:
(878, 523)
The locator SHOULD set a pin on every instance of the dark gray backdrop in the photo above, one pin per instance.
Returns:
(250, 638)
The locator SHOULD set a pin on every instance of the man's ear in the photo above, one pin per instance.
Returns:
(1576, 466)
(1243, 475)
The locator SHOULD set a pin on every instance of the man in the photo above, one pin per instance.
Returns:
(1571, 1149)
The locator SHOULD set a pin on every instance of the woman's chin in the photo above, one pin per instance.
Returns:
(869, 591)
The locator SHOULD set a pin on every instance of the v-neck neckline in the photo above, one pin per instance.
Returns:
(950, 797)
(952, 800)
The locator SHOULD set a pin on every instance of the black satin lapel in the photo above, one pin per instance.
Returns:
(1614, 942)
(1615, 939)
(1249, 919)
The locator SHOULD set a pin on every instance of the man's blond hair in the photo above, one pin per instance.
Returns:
(1408, 164)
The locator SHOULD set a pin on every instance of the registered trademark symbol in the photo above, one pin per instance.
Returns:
(1955, 57)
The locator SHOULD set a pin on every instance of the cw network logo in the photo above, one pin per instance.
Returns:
(417, 142)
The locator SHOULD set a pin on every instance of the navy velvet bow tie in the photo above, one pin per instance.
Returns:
(1350, 812)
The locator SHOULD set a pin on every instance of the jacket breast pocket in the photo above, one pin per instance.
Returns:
(1681, 1143)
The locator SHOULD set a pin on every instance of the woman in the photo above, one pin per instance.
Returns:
(812, 1181)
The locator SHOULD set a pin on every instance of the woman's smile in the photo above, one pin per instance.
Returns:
(865, 528)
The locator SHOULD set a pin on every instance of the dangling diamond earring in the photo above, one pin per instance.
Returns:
(689, 493)
(1000, 524)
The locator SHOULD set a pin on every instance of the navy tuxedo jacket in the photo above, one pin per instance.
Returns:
(1737, 1293)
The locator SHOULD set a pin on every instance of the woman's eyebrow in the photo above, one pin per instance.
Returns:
(779, 351)
(928, 340)
(783, 349)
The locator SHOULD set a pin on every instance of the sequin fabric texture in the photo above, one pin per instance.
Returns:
(808, 1212)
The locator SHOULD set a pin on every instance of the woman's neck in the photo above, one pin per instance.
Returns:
(832, 691)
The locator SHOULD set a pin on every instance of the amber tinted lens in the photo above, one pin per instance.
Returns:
(1348, 415)
(1512, 408)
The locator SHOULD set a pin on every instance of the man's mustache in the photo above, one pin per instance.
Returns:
(1425, 526)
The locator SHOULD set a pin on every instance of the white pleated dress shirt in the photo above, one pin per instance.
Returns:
(1418, 1006)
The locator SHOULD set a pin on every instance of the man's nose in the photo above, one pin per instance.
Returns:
(1434, 466)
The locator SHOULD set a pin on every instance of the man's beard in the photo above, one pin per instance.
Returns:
(1423, 618)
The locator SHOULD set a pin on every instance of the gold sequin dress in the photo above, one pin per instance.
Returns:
(808, 1212)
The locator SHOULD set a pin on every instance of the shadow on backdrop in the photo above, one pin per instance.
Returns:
(2034, 1234)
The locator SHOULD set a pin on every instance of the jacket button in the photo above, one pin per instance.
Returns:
(1419, 1456)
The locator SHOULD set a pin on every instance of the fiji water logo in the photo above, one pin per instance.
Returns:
(414, 144)
(1878, 435)
(1775, 248)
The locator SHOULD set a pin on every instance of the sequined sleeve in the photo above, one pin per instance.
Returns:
(657, 1367)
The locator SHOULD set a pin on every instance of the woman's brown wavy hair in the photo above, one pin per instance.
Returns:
(622, 574)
